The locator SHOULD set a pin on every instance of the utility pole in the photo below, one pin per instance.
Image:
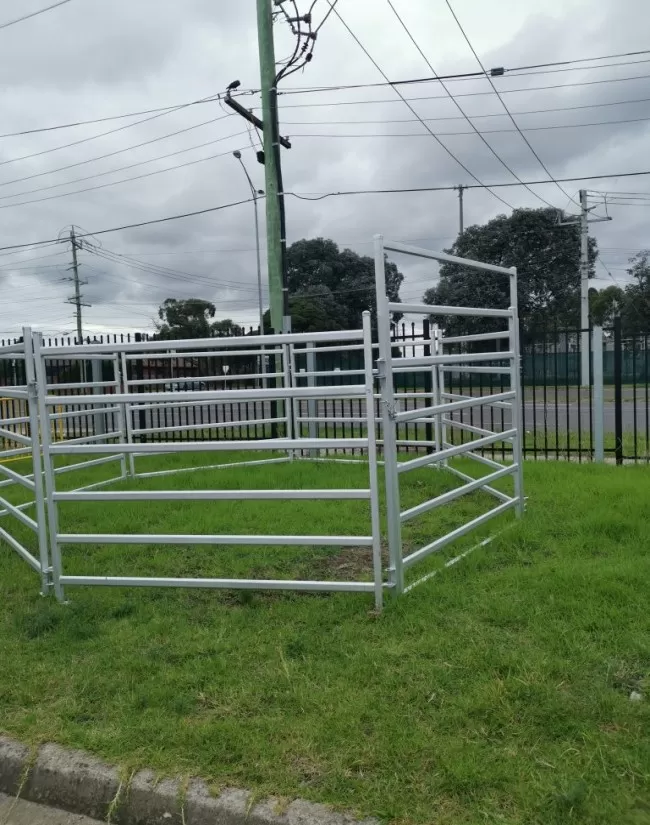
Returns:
(275, 218)
(76, 298)
(584, 288)
(583, 221)
(461, 217)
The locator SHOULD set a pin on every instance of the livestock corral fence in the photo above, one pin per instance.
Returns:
(278, 399)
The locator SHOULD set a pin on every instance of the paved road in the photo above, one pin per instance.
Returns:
(19, 812)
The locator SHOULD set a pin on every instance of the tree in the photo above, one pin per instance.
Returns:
(547, 257)
(227, 327)
(635, 309)
(605, 304)
(330, 288)
(185, 318)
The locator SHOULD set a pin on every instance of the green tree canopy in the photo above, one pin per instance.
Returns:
(605, 304)
(330, 288)
(547, 257)
(635, 308)
(185, 318)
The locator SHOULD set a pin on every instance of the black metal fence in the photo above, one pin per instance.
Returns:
(558, 413)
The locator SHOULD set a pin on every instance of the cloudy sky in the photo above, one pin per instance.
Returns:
(92, 59)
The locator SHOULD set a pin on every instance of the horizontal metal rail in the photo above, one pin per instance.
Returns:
(216, 396)
(225, 584)
(426, 309)
(158, 356)
(226, 466)
(88, 350)
(480, 459)
(214, 495)
(481, 336)
(17, 477)
(459, 449)
(215, 425)
(444, 257)
(90, 439)
(484, 370)
(23, 552)
(202, 538)
(200, 379)
(65, 448)
(458, 492)
(488, 489)
(19, 438)
(468, 428)
(9, 421)
(19, 393)
(80, 385)
(465, 403)
(18, 514)
(502, 405)
(442, 542)
(92, 462)
(13, 349)
(433, 360)
(85, 413)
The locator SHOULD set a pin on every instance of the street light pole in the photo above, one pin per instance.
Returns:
(255, 193)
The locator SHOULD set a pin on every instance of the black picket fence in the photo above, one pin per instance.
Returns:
(558, 413)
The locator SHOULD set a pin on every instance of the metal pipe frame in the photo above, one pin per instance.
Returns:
(445, 403)
(426, 309)
(206, 353)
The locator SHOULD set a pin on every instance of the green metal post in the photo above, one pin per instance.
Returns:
(271, 161)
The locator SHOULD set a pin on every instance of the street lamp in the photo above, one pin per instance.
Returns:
(255, 193)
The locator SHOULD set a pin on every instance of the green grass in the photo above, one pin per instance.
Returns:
(497, 692)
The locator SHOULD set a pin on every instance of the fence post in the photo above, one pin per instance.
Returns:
(599, 395)
(142, 419)
(618, 390)
(312, 404)
(97, 378)
(428, 382)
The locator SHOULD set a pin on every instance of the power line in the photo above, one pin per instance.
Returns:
(480, 133)
(503, 103)
(107, 154)
(322, 196)
(466, 94)
(95, 137)
(124, 168)
(458, 117)
(33, 14)
(138, 225)
(461, 110)
(117, 182)
(464, 76)
(397, 91)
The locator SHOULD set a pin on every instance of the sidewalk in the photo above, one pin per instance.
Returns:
(18, 812)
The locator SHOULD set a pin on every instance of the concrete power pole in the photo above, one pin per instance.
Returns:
(584, 288)
(76, 298)
(275, 218)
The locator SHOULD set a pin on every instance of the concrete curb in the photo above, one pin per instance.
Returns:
(79, 783)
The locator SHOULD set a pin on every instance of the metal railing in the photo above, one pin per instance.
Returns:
(439, 412)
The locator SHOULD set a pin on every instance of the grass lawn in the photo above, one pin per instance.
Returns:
(496, 692)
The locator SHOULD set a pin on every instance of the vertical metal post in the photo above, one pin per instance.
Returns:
(48, 468)
(517, 401)
(99, 419)
(599, 395)
(440, 430)
(387, 389)
(584, 289)
(287, 383)
(428, 380)
(37, 467)
(373, 468)
(618, 390)
(127, 413)
(312, 404)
